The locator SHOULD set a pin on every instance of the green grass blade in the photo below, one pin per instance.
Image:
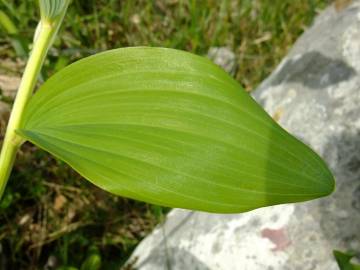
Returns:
(17, 42)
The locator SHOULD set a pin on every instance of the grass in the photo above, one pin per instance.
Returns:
(49, 214)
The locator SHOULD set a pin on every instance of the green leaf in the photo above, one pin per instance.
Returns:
(53, 9)
(7, 24)
(93, 260)
(17, 41)
(171, 128)
(344, 260)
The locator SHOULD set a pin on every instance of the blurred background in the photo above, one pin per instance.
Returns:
(49, 216)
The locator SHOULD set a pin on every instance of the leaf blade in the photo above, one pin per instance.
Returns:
(171, 128)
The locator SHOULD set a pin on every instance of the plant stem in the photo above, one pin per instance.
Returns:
(12, 141)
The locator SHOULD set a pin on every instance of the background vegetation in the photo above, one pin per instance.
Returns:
(49, 215)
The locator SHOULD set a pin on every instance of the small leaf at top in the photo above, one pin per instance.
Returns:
(171, 128)
(52, 9)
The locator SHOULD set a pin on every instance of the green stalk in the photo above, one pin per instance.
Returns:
(44, 36)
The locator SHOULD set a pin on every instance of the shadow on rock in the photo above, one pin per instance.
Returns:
(313, 70)
(340, 215)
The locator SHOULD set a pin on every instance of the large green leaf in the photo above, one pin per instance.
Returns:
(171, 128)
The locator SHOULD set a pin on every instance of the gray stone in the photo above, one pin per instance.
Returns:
(224, 58)
(315, 95)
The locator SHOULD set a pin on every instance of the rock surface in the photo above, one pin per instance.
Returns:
(224, 58)
(314, 94)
